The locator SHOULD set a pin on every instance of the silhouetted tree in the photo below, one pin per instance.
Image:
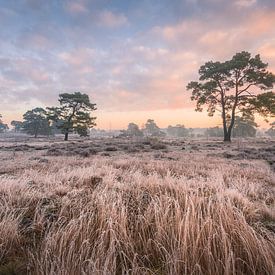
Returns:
(17, 125)
(244, 126)
(3, 127)
(151, 129)
(73, 114)
(233, 86)
(36, 122)
(177, 131)
(133, 130)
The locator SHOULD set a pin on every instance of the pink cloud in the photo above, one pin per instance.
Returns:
(268, 49)
(260, 23)
(111, 20)
(245, 3)
(77, 57)
(76, 7)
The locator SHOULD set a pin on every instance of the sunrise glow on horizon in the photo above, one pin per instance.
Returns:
(133, 58)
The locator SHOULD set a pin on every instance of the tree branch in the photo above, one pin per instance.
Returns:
(245, 89)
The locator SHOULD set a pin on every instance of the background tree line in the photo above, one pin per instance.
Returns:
(244, 126)
(153, 130)
(38, 122)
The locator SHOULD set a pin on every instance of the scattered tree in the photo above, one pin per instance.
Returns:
(244, 126)
(233, 86)
(177, 131)
(36, 123)
(17, 125)
(151, 129)
(3, 127)
(132, 131)
(74, 114)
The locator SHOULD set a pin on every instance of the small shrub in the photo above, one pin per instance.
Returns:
(111, 149)
(132, 150)
(158, 146)
(54, 152)
(84, 153)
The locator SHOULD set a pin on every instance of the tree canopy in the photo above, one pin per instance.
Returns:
(17, 125)
(133, 130)
(151, 128)
(73, 115)
(36, 123)
(239, 85)
(3, 127)
(177, 131)
(245, 126)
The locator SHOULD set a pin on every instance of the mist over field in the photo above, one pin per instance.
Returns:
(137, 137)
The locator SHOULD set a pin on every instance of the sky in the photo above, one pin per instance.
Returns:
(133, 58)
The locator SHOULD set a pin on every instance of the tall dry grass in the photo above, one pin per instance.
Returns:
(126, 215)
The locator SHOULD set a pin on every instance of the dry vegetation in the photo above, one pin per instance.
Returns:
(139, 207)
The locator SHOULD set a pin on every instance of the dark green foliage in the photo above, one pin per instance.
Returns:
(36, 122)
(55, 127)
(244, 126)
(232, 86)
(3, 127)
(177, 131)
(73, 115)
(263, 104)
(17, 125)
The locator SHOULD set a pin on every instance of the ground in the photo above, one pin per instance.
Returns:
(137, 206)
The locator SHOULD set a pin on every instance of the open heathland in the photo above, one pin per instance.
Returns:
(141, 206)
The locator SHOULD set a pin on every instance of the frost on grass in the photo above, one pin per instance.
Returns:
(187, 214)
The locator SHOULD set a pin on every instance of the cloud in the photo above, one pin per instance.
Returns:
(111, 20)
(245, 3)
(35, 41)
(77, 57)
(143, 67)
(76, 7)
(268, 49)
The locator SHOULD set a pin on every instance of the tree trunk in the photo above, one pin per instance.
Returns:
(227, 136)
(66, 136)
(229, 130)
(225, 132)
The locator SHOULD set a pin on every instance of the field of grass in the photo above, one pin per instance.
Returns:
(137, 207)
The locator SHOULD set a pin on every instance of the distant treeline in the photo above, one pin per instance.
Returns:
(243, 128)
